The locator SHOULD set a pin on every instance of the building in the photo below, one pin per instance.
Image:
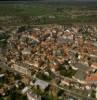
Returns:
(42, 84)
(26, 51)
(91, 79)
(94, 65)
(2, 77)
(81, 73)
(22, 69)
(32, 96)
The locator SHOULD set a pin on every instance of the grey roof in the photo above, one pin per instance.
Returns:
(33, 95)
(62, 40)
(2, 75)
(81, 72)
(26, 51)
(95, 44)
(81, 66)
(80, 75)
(41, 83)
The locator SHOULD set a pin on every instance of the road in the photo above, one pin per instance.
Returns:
(75, 95)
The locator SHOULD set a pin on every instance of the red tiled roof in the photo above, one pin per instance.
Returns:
(94, 64)
(92, 77)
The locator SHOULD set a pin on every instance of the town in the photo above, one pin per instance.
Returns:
(48, 62)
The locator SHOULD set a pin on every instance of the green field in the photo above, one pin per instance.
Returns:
(25, 9)
(13, 14)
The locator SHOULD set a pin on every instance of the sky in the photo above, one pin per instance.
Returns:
(50, 0)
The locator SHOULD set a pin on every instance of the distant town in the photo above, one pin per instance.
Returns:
(48, 62)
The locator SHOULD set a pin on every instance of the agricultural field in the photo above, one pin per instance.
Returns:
(13, 14)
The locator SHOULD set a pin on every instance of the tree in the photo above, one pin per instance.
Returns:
(93, 94)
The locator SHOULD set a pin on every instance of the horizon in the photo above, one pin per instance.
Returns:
(55, 0)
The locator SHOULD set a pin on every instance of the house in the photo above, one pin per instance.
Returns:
(25, 89)
(32, 96)
(65, 39)
(26, 51)
(92, 78)
(2, 92)
(65, 82)
(42, 84)
(34, 63)
(23, 69)
(95, 44)
(80, 76)
(52, 17)
(2, 77)
(81, 73)
(94, 65)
